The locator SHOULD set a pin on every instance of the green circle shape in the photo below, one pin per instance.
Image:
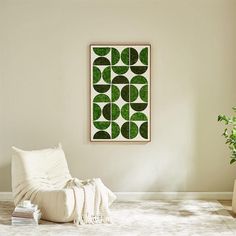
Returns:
(125, 56)
(115, 130)
(103, 51)
(96, 74)
(125, 111)
(129, 130)
(115, 93)
(143, 93)
(96, 111)
(111, 111)
(144, 56)
(115, 56)
(129, 93)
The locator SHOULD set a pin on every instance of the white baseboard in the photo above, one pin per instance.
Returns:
(6, 196)
(131, 196)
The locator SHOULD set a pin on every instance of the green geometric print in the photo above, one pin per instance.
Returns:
(120, 92)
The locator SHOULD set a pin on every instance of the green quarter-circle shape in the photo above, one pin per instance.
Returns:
(144, 56)
(143, 130)
(101, 135)
(101, 61)
(115, 93)
(101, 98)
(101, 51)
(101, 88)
(115, 130)
(106, 74)
(101, 125)
(129, 130)
(115, 56)
(111, 111)
(138, 106)
(97, 111)
(129, 93)
(125, 111)
(139, 116)
(133, 56)
(125, 56)
(120, 69)
(143, 93)
(138, 79)
(96, 74)
(138, 69)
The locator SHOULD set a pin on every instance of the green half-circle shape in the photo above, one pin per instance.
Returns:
(143, 130)
(101, 125)
(125, 111)
(106, 74)
(97, 111)
(138, 69)
(125, 56)
(101, 51)
(138, 106)
(115, 93)
(138, 79)
(96, 74)
(115, 130)
(101, 61)
(101, 88)
(120, 69)
(144, 56)
(115, 56)
(133, 56)
(106, 111)
(139, 116)
(101, 98)
(143, 93)
(120, 79)
(115, 113)
(101, 135)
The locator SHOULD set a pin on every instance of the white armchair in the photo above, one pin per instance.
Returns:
(41, 176)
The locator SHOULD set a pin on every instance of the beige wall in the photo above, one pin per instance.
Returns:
(44, 88)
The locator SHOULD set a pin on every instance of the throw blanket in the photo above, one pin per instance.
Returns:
(92, 201)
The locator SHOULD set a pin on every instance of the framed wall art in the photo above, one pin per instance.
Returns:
(120, 92)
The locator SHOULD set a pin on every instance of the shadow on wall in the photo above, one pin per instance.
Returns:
(5, 177)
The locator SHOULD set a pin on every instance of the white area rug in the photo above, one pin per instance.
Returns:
(159, 218)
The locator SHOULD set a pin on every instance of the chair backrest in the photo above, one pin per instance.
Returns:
(45, 168)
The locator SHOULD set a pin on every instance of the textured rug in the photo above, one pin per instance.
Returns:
(159, 218)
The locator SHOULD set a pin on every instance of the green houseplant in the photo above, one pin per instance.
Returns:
(230, 133)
